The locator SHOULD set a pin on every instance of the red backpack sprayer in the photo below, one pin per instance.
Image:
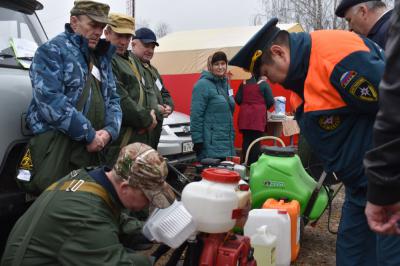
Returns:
(214, 205)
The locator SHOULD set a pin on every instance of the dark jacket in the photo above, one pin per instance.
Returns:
(254, 99)
(136, 116)
(336, 84)
(379, 32)
(155, 93)
(211, 119)
(75, 228)
(382, 163)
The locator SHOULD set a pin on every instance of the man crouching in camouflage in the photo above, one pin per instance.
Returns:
(75, 220)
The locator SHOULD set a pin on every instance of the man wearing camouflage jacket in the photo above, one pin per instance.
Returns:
(75, 109)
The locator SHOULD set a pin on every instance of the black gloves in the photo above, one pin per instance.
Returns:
(197, 147)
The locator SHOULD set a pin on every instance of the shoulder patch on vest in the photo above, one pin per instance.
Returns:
(346, 78)
(364, 90)
(329, 122)
(26, 162)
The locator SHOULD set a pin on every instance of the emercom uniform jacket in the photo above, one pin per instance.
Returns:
(135, 105)
(211, 116)
(335, 75)
(155, 94)
(58, 73)
(77, 224)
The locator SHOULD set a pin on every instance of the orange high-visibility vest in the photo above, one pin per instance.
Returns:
(319, 93)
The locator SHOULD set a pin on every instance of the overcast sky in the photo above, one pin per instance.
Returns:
(178, 14)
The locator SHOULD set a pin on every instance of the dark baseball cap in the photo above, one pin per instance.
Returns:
(146, 35)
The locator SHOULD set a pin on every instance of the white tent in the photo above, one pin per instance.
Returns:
(186, 52)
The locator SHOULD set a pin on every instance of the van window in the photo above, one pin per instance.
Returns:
(14, 24)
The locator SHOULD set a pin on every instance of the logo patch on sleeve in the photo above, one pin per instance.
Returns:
(346, 78)
(329, 122)
(364, 90)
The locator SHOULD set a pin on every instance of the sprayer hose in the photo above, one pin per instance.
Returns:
(257, 140)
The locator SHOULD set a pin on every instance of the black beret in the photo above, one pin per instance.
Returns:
(257, 44)
(346, 4)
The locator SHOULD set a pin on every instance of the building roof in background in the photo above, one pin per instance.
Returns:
(186, 52)
(214, 38)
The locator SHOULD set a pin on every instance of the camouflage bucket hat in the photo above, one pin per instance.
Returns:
(144, 168)
(121, 23)
(94, 10)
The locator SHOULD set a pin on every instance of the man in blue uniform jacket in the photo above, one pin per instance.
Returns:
(334, 76)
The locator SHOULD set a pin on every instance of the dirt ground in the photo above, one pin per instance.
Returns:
(317, 244)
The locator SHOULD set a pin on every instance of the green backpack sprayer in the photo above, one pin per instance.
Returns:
(279, 174)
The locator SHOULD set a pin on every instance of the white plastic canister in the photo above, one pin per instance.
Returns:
(171, 226)
(278, 222)
(264, 244)
(213, 200)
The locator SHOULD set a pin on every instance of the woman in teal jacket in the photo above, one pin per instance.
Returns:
(211, 113)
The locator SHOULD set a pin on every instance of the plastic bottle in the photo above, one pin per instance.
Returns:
(280, 104)
(293, 209)
(264, 244)
(278, 223)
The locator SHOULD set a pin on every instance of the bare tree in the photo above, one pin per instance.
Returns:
(257, 20)
(162, 29)
(311, 14)
(142, 23)
(389, 3)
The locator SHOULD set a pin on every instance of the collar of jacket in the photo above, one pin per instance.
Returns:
(208, 75)
(124, 56)
(379, 23)
(251, 80)
(103, 47)
(145, 64)
(300, 50)
(99, 175)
